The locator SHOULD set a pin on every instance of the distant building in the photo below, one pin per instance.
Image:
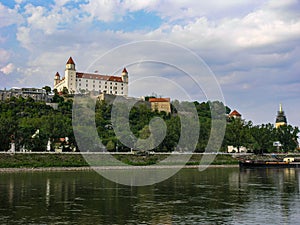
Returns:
(281, 118)
(235, 114)
(232, 149)
(160, 104)
(37, 94)
(80, 82)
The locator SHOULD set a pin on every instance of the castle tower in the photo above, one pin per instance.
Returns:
(70, 75)
(125, 75)
(56, 79)
(281, 118)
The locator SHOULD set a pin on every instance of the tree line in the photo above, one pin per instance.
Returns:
(21, 118)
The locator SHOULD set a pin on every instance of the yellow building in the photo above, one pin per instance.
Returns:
(281, 118)
(160, 104)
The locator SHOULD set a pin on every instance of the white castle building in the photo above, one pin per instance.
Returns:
(79, 82)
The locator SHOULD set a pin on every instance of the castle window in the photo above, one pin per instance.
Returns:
(122, 84)
(116, 92)
(121, 88)
(93, 86)
(86, 85)
(105, 87)
(105, 82)
(86, 80)
(93, 81)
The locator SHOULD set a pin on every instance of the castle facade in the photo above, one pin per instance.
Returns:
(80, 82)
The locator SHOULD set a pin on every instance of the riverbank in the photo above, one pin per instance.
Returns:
(61, 161)
(85, 168)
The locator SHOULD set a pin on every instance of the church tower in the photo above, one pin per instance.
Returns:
(70, 76)
(281, 118)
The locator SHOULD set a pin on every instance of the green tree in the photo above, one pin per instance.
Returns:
(237, 134)
(65, 91)
(47, 89)
(287, 136)
(110, 146)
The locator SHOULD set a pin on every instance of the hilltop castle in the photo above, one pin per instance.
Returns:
(79, 82)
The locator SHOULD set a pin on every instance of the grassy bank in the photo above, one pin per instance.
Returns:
(77, 160)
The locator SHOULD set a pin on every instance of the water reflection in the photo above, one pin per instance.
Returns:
(224, 195)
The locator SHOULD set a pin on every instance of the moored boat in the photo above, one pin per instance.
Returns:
(285, 163)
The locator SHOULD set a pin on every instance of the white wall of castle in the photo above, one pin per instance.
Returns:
(90, 83)
(104, 86)
(80, 85)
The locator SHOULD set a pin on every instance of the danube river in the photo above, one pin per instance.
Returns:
(214, 196)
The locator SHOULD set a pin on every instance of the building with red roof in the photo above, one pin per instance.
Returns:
(235, 114)
(160, 104)
(82, 82)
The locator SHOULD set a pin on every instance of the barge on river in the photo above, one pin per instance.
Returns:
(288, 162)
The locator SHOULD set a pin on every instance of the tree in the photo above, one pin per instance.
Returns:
(65, 91)
(110, 146)
(287, 136)
(47, 89)
(263, 136)
(237, 133)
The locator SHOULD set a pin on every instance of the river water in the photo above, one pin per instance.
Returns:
(214, 196)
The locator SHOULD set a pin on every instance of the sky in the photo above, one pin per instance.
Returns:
(251, 47)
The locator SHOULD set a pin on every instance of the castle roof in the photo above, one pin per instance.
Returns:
(70, 61)
(235, 113)
(124, 70)
(57, 74)
(98, 77)
(159, 99)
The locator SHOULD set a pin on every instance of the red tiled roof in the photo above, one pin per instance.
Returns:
(114, 78)
(98, 77)
(159, 99)
(70, 61)
(235, 113)
(124, 70)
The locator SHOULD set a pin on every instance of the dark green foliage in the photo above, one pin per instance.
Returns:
(47, 89)
(20, 118)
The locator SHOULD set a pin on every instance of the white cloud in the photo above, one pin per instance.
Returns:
(39, 18)
(9, 68)
(24, 37)
(61, 2)
(9, 16)
(104, 10)
(251, 45)
(19, 1)
(4, 56)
